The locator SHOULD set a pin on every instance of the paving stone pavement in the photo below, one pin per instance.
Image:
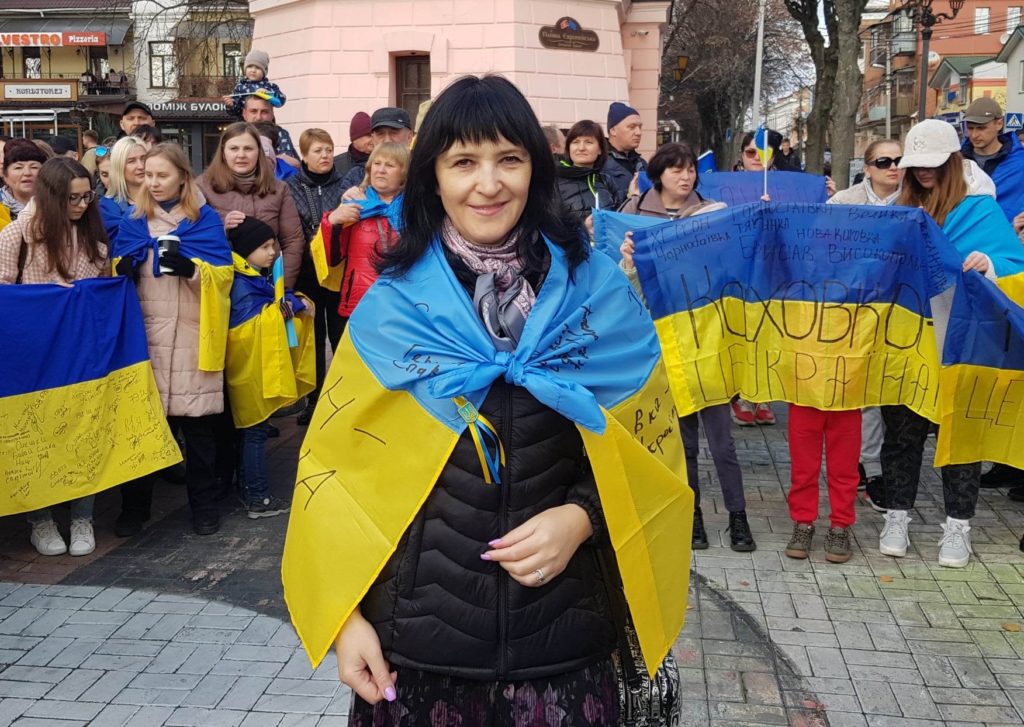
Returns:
(171, 629)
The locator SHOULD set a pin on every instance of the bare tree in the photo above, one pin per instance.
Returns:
(838, 80)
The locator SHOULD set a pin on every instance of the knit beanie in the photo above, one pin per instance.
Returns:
(617, 112)
(22, 150)
(258, 58)
(359, 126)
(249, 235)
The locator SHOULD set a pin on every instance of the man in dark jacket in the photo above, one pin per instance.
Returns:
(788, 159)
(625, 128)
(386, 124)
(359, 147)
(999, 154)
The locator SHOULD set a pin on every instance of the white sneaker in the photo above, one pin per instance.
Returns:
(894, 539)
(47, 540)
(83, 541)
(955, 546)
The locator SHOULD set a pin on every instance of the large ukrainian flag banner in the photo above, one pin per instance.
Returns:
(413, 367)
(79, 407)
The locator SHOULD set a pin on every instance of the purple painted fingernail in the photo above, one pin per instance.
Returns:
(485, 556)
(390, 695)
(493, 543)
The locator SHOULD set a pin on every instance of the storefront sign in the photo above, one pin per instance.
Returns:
(195, 108)
(567, 34)
(53, 39)
(37, 91)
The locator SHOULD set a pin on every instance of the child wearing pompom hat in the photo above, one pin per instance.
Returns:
(254, 77)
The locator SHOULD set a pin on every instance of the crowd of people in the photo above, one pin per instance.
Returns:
(502, 197)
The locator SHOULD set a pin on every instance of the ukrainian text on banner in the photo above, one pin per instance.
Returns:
(736, 188)
(823, 306)
(79, 407)
(982, 383)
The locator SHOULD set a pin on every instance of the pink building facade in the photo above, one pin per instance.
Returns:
(336, 57)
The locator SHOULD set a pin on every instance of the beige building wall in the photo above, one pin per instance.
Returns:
(336, 57)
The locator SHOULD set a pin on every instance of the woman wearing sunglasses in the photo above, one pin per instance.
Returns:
(940, 182)
(58, 238)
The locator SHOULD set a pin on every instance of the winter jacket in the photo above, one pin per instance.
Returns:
(344, 162)
(111, 211)
(357, 245)
(862, 193)
(619, 168)
(464, 617)
(789, 163)
(245, 88)
(34, 268)
(276, 209)
(1007, 171)
(354, 176)
(170, 308)
(312, 200)
(582, 189)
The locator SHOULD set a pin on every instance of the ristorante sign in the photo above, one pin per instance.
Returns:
(72, 38)
(568, 34)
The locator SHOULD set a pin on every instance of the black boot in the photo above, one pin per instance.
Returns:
(700, 536)
(739, 533)
(1002, 475)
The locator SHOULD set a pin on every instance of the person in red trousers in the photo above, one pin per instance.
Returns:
(839, 432)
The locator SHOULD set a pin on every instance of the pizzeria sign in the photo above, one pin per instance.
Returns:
(69, 38)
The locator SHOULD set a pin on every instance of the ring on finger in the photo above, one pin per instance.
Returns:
(540, 576)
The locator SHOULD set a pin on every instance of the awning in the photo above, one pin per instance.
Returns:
(115, 29)
(234, 29)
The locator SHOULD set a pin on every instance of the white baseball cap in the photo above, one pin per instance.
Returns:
(929, 144)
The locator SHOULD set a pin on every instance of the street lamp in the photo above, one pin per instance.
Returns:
(928, 20)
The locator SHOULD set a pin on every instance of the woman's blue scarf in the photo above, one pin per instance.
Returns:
(374, 206)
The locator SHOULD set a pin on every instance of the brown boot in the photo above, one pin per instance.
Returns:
(837, 545)
(799, 546)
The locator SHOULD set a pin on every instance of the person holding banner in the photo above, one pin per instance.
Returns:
(499, 381)
(58, 238)
(883, 182)
(357, 232)
(127, 174)
(582, 185)
(938, 183)
(173, 245)
(673, 172)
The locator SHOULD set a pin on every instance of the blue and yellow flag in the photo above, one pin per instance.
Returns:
(204, 243)
(388, 418)
(827, 306)
(764, 148)
(79, 407)
(263, 372)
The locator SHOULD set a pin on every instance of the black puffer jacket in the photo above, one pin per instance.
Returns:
(312, 199)
(582, 189)
(439, 608)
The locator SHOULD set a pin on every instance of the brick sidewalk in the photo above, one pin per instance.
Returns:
(169, 628)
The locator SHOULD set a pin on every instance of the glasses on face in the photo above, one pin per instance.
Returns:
(750, 153)
(85, 198)
(101, 151)
(885, 162)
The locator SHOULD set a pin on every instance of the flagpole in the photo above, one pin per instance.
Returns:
(756, 107)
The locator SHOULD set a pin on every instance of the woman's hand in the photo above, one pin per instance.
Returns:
(352, 194)
(1018, 223)
(977, 261)
(627, 249)
(545, 542)
(766, 198)
(344, 215)
(233, 219)
(830, 186)
(361, 663)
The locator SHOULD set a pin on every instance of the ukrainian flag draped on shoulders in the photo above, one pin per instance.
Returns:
(204, 243)
(263, 373)
(977, 224)
(79, 408)
(389, 418)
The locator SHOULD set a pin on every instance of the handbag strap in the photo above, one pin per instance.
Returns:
(22, 259)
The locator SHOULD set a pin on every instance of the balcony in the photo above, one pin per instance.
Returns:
(205, 86)
(904, 44)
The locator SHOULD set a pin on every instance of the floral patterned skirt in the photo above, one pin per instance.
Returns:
(584, 698)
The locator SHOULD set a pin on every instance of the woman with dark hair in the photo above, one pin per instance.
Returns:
(938, 181)
(673, 172)
(581, 183)
(58, 238)
(494, 595)
(240, 183)
(22, 161)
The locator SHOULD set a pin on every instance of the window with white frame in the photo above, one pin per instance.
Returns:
(1021, 82)
(981, 21)
(162, 72)
(1012, 18)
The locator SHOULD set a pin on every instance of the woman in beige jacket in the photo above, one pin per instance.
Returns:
(170, 204)
(58, 238)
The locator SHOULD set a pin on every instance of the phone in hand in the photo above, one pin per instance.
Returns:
(165, 244)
